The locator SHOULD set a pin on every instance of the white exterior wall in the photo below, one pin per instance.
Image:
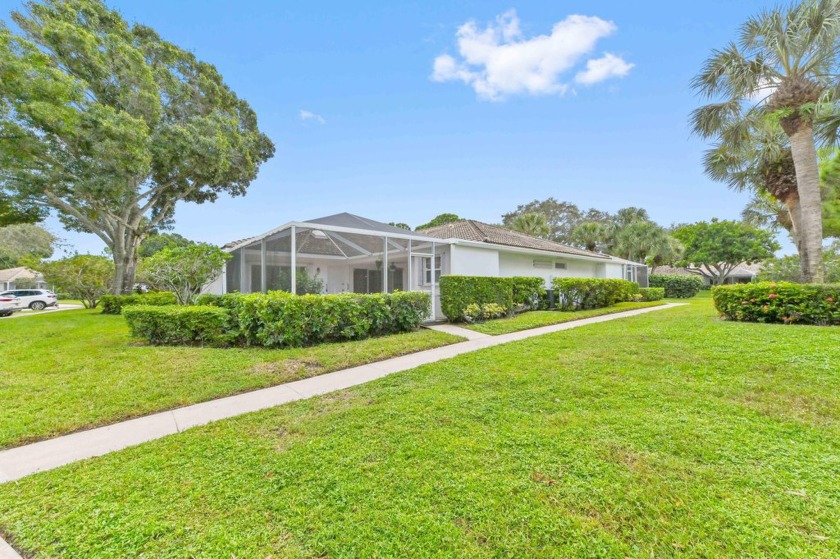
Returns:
(474, 261)
(515, 264)
(615, 271)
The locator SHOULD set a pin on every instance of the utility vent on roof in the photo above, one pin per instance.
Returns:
(546, 264)
(559, 265)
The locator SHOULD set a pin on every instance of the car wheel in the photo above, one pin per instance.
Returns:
(5, 313)
(37, 305)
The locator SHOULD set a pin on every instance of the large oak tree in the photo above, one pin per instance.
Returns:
(112, 126)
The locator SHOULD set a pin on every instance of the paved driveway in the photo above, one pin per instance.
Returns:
(28, 312)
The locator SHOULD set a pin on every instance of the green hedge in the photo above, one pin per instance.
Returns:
(677, 286)
(781, 302)
(589, 293)
(652, 293)
(113, 304)
(527, 291)
(181, 325)
(457, 292)
(280, 319)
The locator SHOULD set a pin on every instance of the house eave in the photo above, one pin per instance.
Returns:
(523, 250)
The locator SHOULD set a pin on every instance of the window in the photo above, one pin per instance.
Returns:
(559, 265)
(427, 270)
(546, 264)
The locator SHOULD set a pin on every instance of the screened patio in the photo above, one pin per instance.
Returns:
(335, 254)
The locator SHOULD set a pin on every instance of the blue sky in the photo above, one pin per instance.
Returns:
(387, 141)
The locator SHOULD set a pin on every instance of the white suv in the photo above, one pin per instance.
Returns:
(35, 299)
(8, 305)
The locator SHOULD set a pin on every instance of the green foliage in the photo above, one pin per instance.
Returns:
(113, 126)
(677, 286)
(532, 223)
(20, 243)
(15, 212)
(487, 311)
(781, 302)
(401, 225)
(113, 304)
(561, 217)
(574, 294)
(83, 276)
(279, 319)
(184, 270)
(441, 219)
(457, 292)
(714, 248)
(156, 242)
(179, 325)
(787, 268)
(652, 293)
(527, 291)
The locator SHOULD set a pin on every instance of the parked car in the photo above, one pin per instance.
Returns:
(35, 299)
(9, 304)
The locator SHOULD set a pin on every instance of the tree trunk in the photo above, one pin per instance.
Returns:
(810, 198)
(795, 212)
(126, 245)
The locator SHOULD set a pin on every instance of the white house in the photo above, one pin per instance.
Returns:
(349, 253)
(21, 278)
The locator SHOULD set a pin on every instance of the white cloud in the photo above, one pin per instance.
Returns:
(498, 61)
(600, 69)
(309, 115)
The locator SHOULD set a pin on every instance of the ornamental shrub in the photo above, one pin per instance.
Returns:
(487, 311)
(782, 302)
(588, 293)
(280, 319)
(181, 325)
(456, 292)
(677, 286)
(113, 304)
(652, 293)
(527, 291)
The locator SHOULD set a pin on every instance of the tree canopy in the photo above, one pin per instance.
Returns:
(441, 219)
(83, 276)
(534, 224)
(112, 126)
(156, 242)
(21, 243)
(714, 248)
(184, 270)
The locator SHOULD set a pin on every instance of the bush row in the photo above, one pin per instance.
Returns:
(652, 293)
(781, 302)
(113, 304)
(459, 292)
(677, 286)
(588, 293)
(280, 319)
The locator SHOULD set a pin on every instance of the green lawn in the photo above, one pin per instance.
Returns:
(69, 370)
(670, 434)
(535, 319)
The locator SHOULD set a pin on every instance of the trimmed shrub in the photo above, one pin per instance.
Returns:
(113, 304)
(478, 313)
(787, 303)
(527, 291)
(652, 293)
(180, 325)
(588, 293)
(280, 319)
(677, 286)
(456, 292)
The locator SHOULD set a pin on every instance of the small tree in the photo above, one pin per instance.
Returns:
(82, 276)
(713, 249)
(184, 270)
(24, 241)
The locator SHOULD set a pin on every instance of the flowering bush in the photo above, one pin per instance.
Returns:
(476, 313)
(781, 302)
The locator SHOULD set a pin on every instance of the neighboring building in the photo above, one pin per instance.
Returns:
(742, 273)
(349, 253)
(21, 278)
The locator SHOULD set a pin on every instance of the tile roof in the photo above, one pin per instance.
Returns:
(471, 230)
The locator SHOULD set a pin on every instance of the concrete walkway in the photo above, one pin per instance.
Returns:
(48, 310)
(22, 461)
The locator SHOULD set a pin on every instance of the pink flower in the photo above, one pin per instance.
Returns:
(772, 296)
(830, 299)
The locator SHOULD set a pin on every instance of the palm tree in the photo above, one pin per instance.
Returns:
(790, 57)
(591, 235)
(532, 223)
(641, 239)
